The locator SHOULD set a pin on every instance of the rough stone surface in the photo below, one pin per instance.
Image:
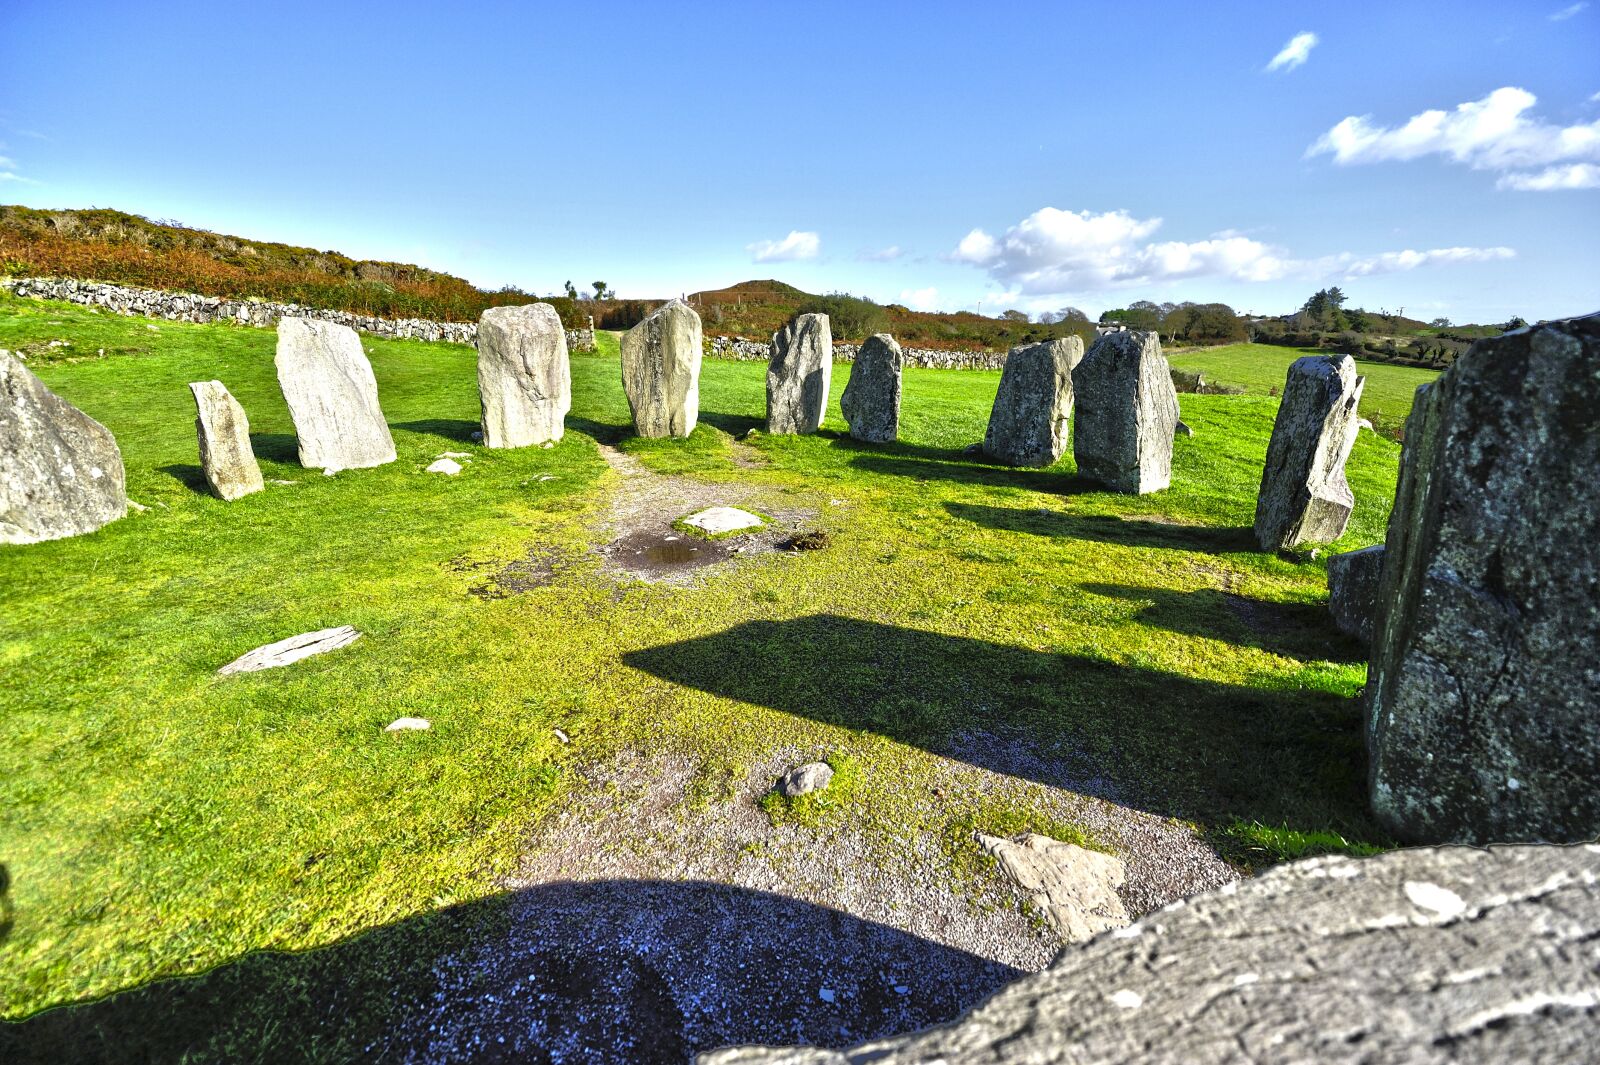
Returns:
(719, 521)
(293, 649)
(226, 458)
(1127, 412)
(1028, 423)
(1353, 590)
(805, 779)
(1484, 684)
(798, 373)
(1304, 497)
(332, 396)
(1073, 888)
(871, 399)
(1444, 955)
(524, 378)
(661, 371)
(60, 470)
(448, 467)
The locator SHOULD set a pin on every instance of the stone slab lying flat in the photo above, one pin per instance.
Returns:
(718, 521)
(289, 651)
(1075, 889)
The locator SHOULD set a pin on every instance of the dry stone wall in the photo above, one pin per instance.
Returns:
(742, 350)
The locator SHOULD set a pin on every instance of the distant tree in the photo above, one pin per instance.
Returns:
(1359, 320)
(1324, 310)
(1516, 322)
(572, 293)
(1440, 323)
(1014, 316)
(600, 290)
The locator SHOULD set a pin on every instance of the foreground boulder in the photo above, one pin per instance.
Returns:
(332, 396)
(226, 459)
(524, 378)
(871, 399)
(1484, 691)
(1127, 413)
(797, 375)
(661, 371)
(1304, 497)
(1028, 423)
(1072, 887)
(60, 470)
(1353, 579)
(1446, 955)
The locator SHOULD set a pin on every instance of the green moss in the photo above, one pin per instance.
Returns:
(1257, 845)
(810, 810)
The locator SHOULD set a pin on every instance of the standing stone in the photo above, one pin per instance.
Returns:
(60, 470)
(332, 396)
(1127, 413)
(797, 375)
(224, 430)
(524, 379)
(1304, 497)
(1353, 579)
(1484, 686)
(1028, 424)
(661, 371)
(871, 399)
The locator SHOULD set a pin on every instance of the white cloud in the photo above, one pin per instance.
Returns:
(8, 171)
(1295, 53)
(1396, 261)
(1494, 133)
(797, 245)
(920, 299)
(1551, 178)
(881, 255)
(976, 247)
(1568, 11)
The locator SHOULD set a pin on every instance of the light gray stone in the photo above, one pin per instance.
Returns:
(1073, 888)
(60, 470)
(1353, 580)
(226, 458)
(408, 724)
(805, 779)
(293, 649)
(719, 521)
(448, 467)
(332, 396)
(1484, 684)
(871, 399)
(661, 371)
(524, 377)
(1304, 497)
(1029, 419)
(1447, 955)
(798, 370)
(1127, 413)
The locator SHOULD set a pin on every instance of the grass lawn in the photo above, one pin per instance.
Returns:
(157, 820)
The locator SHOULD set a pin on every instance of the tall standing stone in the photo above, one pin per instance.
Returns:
(1127, 413)
(1028, 423)
(524, 379)
(797, 375)
(871, 399)
(60, 470)
(661, 371)
(332, 396)
(1304, 497)
(229, 464)
(1484, 686)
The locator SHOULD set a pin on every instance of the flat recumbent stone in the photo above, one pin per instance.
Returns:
(719, 521)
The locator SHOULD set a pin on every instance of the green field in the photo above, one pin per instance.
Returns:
(157, 820)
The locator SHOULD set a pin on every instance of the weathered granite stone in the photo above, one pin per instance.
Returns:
(1075, 889)
(1028, 423)
(1353, 590)
(661, 371)
(332, 396)
(288, 651)
(1484, 685)
(1435, 955)
(871, 399)
(720, 521)
(524, 379)
(1304, 497)
(226, 459)
(805, 779)
(797, 375)
(60, 470)
(1127, 412)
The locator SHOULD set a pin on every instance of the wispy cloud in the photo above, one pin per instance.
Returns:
(1570, 10)
(797, 245)
(8, 171)
(1553, 178)
(881, 255)
(1295, 53)
(920, 299)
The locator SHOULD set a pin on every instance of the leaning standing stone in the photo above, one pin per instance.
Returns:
(524, 379)
(224, 430)
(1028, 424)
(1127, 412)
(797, 375)
(60, 470)
(1304, 497)
(332, 396)
(1484, 690)
(661, 371)
(871, 399)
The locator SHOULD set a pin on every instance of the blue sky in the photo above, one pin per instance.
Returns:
(1440, 158)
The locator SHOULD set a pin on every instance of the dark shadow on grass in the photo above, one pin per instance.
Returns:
(604, 432)
(1295, 630)
(190, 476)
(735, 425)
(973, 471)
(1109, 529)
(599, 971)
(276, 447)
(455, 430)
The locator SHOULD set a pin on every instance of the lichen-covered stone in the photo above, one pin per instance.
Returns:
(1353, 579)
(1127, 413)
(60, 470)
(1484, 712)
(871, 399)
(661, 371)
(332, 396)
(1304, 497)
(524, 378)
(1029, 420)
(226, 458)
(1072, 887)
(798, 370)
